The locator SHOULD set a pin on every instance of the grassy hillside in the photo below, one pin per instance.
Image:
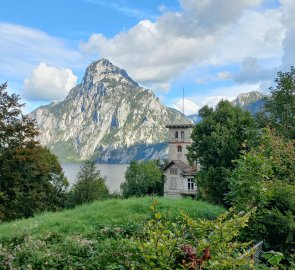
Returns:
(87, 237)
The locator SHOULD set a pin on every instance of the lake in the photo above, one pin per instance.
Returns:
(114, 173)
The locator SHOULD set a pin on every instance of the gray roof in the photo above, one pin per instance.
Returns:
(186, 169)
(188, 125)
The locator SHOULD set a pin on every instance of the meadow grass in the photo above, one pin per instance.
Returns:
(114, 212)
(94, 236)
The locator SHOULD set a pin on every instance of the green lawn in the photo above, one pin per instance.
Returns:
(86, 237)
(104, 213)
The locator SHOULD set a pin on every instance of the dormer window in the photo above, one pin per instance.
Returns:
(173, 171)
(182, 135)
(179, 148)
(176, 134)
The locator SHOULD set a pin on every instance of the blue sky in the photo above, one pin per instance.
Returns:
(212, 48)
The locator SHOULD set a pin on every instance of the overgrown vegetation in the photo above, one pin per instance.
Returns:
(246, 166)
(264, 178)
(94, 236)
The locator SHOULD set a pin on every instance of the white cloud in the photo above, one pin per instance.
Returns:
(257, 33)
(22, 48)
(195, 102)
(189, 106)
(156, 52)
(49, 83)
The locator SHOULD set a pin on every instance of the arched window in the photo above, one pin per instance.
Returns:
(179, 148)
(176, 134)
(182, 135)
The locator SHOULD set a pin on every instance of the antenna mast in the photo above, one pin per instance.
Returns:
(183, 100)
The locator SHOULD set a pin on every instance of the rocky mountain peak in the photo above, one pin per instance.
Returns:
(248, 98)
(103, 69)
(107, 117)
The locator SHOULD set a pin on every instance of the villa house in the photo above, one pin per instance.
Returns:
(179, 174)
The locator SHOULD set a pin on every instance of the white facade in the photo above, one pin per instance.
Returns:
(179, 175)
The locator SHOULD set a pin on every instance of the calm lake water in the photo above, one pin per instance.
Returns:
(113, 172)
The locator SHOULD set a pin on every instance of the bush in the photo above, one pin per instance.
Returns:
(193, 244)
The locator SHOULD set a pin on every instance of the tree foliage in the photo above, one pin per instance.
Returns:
(89, 186)
(142, 178)
(31, 178)
(31, 181)
(16, 130)
(264, 178)
(279, 109)
(217, 141)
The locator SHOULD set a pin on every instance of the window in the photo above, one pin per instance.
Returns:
(182, 135)
(190, 184)
(173, 183)
(176, 134)
(173, 171)
(179, 148)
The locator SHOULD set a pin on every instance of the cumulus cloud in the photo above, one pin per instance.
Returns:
(251, 71)
(156, 52)
(22, 48)
(193, 106)
(288, 20)
(49, 83)
(256, 33)
(195, 102)
(189, 106)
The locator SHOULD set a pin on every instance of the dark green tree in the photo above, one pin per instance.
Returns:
(264, 178)
(143, 178)
(31, 178)
(279, 109)
(32, 181)
(89, 186)
(217, 140)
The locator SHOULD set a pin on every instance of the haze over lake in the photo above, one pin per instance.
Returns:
(114, 173)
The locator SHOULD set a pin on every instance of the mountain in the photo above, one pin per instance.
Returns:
(108, 117)
(252, 101)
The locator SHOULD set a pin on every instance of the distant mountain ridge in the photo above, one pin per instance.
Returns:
(108, 117)
(252, 101)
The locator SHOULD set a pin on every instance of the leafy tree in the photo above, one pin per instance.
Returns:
(279, 109)
(16, 130)
(264, 178)
(31, 179)
(217, 141)
(142, 178)
(90, 185)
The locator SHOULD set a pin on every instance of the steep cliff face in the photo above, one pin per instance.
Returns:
(108, 116)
